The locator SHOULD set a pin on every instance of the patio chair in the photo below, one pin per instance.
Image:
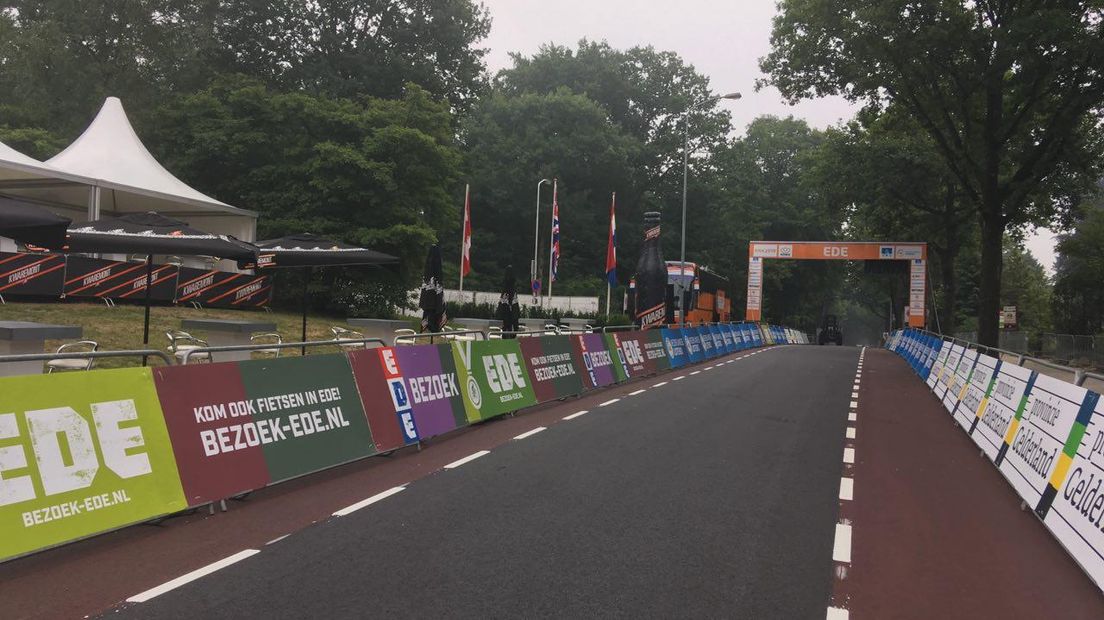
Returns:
(494, 333)
(272, 338)
(446, 328)
(73, 363)
(181, 342)
(341, 334)
(404, 336)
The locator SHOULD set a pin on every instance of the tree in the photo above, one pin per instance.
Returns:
(1008, 91)
(1025, 285)
(382, 173)
(898, 188)
(512, 142)
(1078, 295)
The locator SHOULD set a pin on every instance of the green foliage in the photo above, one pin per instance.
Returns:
(1024, 284)
(1009, 93)
(1079, 285)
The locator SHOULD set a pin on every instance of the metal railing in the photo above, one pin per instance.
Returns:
(344, 342)
(85, 355)
(1022, 359)
(444, 335)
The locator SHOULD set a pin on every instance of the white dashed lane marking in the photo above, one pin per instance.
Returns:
(841, 550)
(531, 433)
(367, 502)
(847, 488)
(575, 415)
(192, 576)
(467, 459)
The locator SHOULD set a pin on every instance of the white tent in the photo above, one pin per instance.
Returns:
(107, 171)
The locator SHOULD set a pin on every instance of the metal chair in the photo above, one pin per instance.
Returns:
(446, 328)
(181, 342)
(73, 363)
(274, 337)
(401, 340)
(494, 333)
(341, 334)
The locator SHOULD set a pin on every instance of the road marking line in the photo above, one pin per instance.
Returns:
(637, 392)
(660, 384)
(854, 404)
(276, 540)
(192, 576)
(575, 415)
(467, 459)
(679, 378)
(841, 550)
(850, 432)
(836, 613)
(532, 432)
(696, 372)
(851, 417)
(368, 502)
(609, 402)
(847, 488)
(849, 455)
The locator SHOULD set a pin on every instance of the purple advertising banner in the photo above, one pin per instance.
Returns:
(596, 359)
(433, 388)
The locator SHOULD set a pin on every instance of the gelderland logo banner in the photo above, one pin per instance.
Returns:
(492, 377)
(1077, 511)
(726, 337)
(1036, 437)
(81, 453)
(709, 350)
(675, 346)
(554, 367)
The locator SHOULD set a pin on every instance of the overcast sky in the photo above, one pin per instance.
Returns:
(722, 39)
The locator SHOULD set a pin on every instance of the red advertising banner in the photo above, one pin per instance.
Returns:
(554, 366)
(383, 401)
(199, 418)
(222, 289)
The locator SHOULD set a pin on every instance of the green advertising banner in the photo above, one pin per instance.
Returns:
(312, 409)
(493, 377)
(81, 453)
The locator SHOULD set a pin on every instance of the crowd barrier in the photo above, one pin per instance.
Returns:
(1044, 435)
(88, 452)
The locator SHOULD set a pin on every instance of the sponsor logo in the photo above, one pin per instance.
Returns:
(96, 277)
(885, 251)
(764, 250)
(835, 251)
(198, 285)
(653, 316)
(785, 251)
(651, 233)
(68, 452)
(474, 394)
(249, 289)
(24, 273)
(909, 252)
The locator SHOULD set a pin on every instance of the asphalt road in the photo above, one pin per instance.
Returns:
(711, 496)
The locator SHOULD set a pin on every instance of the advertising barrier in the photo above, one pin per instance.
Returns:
(83, 453)
(31, 274)
(80, 454)
(956, 388)
(677, 352)
(1076, 513)
(492, 377)
(694, 352)
(553, 365)
(984, 376)
(597, 360)
(95, 277)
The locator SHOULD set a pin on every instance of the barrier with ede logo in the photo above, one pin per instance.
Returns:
(492, 377)
(81, 453)
(555, 368)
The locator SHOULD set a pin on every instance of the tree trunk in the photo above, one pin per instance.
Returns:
(992, 258)
(947, 260)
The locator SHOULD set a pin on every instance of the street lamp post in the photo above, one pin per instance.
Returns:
(685, 175)
(536, 236)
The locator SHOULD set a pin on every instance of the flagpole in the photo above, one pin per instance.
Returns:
(613, 206)
(551, 242)
(463, 239)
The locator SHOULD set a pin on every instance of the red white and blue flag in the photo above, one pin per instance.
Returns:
(555, 233)
(611, 248)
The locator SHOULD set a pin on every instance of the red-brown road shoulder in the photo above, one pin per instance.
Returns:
(937, 531)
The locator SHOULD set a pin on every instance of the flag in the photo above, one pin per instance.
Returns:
(611, 248)
(555, 234)
(465, 256)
